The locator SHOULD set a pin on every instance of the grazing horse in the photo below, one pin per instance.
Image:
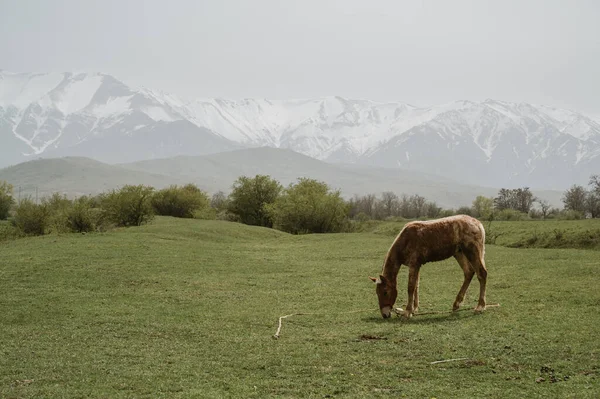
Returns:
(461, 236)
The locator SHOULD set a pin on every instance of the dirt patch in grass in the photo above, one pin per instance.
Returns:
(370, 337)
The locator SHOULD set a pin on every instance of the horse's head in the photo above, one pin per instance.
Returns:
(386, 293)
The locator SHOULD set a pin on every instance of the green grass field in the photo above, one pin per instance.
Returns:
(188, 308)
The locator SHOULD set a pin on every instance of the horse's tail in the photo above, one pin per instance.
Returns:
(482, 230)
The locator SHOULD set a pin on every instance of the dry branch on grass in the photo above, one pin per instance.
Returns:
(450, 360)
(280, 323)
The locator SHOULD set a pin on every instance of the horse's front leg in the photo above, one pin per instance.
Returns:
(413, 275)
(416, 302)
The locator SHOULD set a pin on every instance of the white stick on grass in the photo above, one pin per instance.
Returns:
(450, 360)
(280, 323)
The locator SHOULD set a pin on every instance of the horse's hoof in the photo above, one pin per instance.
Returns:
(479, 309)
(406, 314)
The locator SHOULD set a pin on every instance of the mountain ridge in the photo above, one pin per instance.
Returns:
(76, 176)
(98, 116)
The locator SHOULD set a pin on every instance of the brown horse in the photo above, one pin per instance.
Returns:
(460, 236)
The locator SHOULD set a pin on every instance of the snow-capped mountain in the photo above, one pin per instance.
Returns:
(94, 115)
(491, 143)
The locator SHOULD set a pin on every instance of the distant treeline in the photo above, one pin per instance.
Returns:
(307, 206)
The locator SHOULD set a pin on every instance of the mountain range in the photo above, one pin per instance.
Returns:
(76, 176)
(488, 143)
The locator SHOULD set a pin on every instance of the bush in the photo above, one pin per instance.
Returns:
(129, 206)
(309, 207)
(206, 213)
(6, 199)
(510, 214)
(447, 212)
(482, 207)
(570, 215)
(219, 201)
(81, 217)
(57, 206)
(182, 202)
(362, 217)
(7, 231)
(31, 218)
(250, 197)
(535, 214)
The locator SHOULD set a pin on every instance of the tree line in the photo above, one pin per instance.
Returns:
(306, 206)
(131, 205)
(585, 201)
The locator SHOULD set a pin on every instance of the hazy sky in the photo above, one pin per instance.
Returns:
(420, 52)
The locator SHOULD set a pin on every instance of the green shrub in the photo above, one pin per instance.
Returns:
(7, 231)
(31, 218)
(206, 213)
(447, 212)
(309, 207)
(251, 196)
(570, 215)
(362, 217)
(182, 202)
(57, 206)
(81, 217)
(57, 203)
(464, 210)
(510, 215)
(6, 199)
(128, 206)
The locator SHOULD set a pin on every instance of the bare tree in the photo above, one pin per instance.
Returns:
(524, 199)
(432, 210)
(575, 198)
(389, 203)
(544, 207)
(505, 199)
(219, 201)
(520, 199)
(405, 210)
(418, 205)
(365, 204)
(595, 183)
(592, 203)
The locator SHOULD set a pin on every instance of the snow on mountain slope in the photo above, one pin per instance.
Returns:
(498, 143)
(91, 114)
(59, 113)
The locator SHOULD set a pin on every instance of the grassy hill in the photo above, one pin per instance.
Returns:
(187, 308)
(75, 176)
(218, 171)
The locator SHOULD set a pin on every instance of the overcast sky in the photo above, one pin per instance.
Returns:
(420, 52)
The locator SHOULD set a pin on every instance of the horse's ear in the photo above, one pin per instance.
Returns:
(373, 279)
(382, 279)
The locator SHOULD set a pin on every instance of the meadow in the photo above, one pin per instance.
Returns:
(188, 308)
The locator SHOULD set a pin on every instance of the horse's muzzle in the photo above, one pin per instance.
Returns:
(386, 312)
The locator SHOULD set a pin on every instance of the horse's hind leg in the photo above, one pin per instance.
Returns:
(469, 273)
(476, 259)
